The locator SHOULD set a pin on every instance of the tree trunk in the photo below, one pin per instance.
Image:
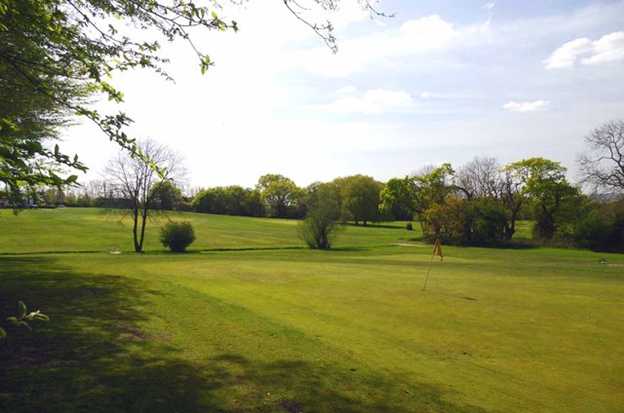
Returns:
(135, 219)
(143, 223)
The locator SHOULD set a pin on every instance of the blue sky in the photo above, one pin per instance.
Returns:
(442, 81)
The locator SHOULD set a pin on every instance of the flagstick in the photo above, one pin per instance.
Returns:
(428, 271)
(437, 250)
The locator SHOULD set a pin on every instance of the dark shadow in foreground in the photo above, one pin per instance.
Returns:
(91, 357)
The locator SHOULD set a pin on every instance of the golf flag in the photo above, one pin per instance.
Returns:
(437, 249)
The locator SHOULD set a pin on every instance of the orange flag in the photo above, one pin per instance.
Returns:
(437, 249)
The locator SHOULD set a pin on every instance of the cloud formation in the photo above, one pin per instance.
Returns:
(609, 48)
(371, 102)
(414, 37)
(526, 106)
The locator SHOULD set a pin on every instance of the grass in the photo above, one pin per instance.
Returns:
(289, 329)
(92, 230)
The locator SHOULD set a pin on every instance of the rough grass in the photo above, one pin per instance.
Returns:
(292, 330)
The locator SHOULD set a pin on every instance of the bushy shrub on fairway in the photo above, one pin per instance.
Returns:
(177, 236)
(409, 226)
(321, 222)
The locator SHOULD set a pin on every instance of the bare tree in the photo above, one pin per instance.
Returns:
(136, 176)
(512, 198)
(484, 178)
(479, 178)
(602, 165)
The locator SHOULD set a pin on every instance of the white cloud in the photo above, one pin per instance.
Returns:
(414, 37)
(608, 48)
(375, 101)
(426, 95)
(490, 5)
(526, 106)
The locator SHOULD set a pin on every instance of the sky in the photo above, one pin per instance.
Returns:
(441, 81)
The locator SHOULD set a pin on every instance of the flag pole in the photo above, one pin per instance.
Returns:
(428, 271)
(437, 250)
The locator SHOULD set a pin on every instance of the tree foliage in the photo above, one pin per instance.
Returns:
(360, 198)
(321, 222)
(546, 185)
(280, 194)
(54, 54)
(230, 200)
(398, 198)
(165, 195)
(177, 236)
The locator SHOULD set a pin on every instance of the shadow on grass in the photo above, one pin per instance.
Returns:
(93, 356)
(373, 225)
(520, 244)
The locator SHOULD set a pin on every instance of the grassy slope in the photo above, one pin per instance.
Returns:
(299, 330)
(85, 229)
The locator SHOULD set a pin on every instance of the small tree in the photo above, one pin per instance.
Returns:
(134, 178)
(177, 236)
(321, 222)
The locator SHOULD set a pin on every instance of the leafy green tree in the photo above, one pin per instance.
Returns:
(398, 198)
(359, 198)
(165, 195)
(546, 185)
(281, 194)
(54, 54)
(433, 186)
(230, 200)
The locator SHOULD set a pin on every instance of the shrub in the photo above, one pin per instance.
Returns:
(321, 222)
(177, 236)
(602, 229)
(409, 226)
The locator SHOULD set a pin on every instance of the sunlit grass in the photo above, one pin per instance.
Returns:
(290, 329)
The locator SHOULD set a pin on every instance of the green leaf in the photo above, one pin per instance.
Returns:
(21, 310)
(205, 64)
(3, 333)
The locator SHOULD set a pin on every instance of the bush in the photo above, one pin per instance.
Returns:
(177, 236)
(592, 231)
(602, 229)
(409, 226)
(321, 222)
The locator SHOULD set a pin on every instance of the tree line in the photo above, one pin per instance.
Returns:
(478, 203)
